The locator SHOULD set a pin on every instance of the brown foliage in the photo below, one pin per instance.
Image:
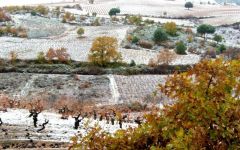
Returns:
(104, 51)
(69, 17)
(166, 57)
(13, 57)
(232, 53)
(58, 54)
(205, 115)
(171, 28)
(4, 16)
(146, 44)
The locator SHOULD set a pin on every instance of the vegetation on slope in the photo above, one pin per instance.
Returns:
(206, 114)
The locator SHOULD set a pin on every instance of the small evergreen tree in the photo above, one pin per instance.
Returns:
(132, 63)
(135, 39)
(80, 31)
(188, 5)
(181, 48)
(114, 11)
(160, 35)
(222, 48)
(217, 38)
(205, 29)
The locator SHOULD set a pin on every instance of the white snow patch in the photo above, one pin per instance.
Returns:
(114, 89)
(57, 129)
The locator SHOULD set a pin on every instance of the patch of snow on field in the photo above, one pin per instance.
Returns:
(57, 129)
(114, 89)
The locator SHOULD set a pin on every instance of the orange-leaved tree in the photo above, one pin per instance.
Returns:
(104, 51)
(205, 115)
(59, 54)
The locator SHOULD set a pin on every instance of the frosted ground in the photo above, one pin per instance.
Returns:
(57, 129)
(221, 14)
(78, 48)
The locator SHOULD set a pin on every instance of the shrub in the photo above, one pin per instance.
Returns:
(94, 14)
(96, 22)
(166, 57)
(148, 21)
(221, 48)
(42, 10)
(211, 53)
(13, 57)
(104, 51)
(68, 17)
(188, 5)
(132, 63)
(190, 38)
(3, 16)
(152, 63)
(129, 38)
(58, 54)
(171, 28)
(114, 18)
(41, 57)
(181, 48)
(217, 38)
(136, 20)
(136, 106)
(114, 11)
(80, 31)
(2, 32)
(33, 13)
(160, 35)
(189, 31)
(64, 20)
(232, 53)
(145, 44)
(135, 39)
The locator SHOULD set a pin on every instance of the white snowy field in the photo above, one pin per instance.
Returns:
(56, 130)
(78, 48)
(30, 2)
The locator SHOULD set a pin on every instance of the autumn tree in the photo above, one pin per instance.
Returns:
(166, 57)
(59, 54)
(205, 114)
(104, 51)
